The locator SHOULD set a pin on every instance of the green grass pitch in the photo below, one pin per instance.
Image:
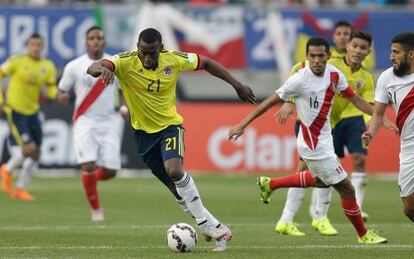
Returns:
(139, 211)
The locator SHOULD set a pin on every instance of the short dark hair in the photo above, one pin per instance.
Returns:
(362, 35)
(150, 35)
(96, 27)
(35, 35)
(317, 41)
(341, 23)
(406, 39)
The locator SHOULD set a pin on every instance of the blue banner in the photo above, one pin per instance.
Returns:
(63, 29)
(241, 36)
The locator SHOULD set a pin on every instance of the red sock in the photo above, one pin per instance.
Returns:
(100, 174)
(302, 179)
(352, 212)
(89, 184)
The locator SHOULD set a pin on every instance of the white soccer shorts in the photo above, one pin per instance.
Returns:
(101, 145)
(406, 174)
(328, 170)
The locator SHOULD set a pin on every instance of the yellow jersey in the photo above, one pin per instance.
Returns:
(150, 94)
(362, 82)
(27, 77)
(368, 63)
(298, 66)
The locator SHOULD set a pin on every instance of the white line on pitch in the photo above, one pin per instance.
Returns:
(238, 225)
(301, 247)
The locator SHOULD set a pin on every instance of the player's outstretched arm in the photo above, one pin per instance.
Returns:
(102, 69)
(375, 123)
(362, 104)
(244, 92)
(367, 108)
(238, 130)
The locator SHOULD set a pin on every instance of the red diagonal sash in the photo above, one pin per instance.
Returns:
(315, 128)
(90, 98)
(406, 106)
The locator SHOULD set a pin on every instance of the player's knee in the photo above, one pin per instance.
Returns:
(109, 173)
(30, 150)
(88, 167)
(358, 161)
(345, 189)
(176, 175)
(409, 212)
(319, 183)
(174, 169)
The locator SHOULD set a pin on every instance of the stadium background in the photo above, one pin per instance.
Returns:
(258, 40)
(258, 43)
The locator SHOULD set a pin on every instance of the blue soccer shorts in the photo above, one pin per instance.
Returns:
(347, 133)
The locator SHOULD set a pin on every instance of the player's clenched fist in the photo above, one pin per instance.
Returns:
(107, 76)
(366, 138)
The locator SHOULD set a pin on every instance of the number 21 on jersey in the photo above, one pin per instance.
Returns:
(154, 85)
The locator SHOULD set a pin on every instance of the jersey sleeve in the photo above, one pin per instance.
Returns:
(290, 89)
(51, 77)
(343, 87)
(187, 61)
(342, 82)
(51, 82)
(67, 81)
(381, 91)
(116, 61)
(368, 93)
(9, 66)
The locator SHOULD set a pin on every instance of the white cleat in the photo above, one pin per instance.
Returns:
(211, 232)
(221, 243)
(97, 215)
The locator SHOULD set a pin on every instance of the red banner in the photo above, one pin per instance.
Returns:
(265, 146)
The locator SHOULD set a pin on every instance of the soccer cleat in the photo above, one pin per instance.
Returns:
(6, 179)
(211, 232)
(22, 195)
(371, 238)
(97, 215)
(324, 227)
(265, 191)
(221, 243)
(365, 216)
(288, 229)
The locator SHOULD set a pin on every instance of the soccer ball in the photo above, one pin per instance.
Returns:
(181, 237)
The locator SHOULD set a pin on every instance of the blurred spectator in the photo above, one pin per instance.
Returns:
(165, 18)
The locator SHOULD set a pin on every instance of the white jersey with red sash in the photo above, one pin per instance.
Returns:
(94, 101)
(314, 95)
(96, 133)
(399, 91)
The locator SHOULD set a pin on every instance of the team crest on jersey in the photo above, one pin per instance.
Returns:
(359, 84)
(168, 71)
(43, 70)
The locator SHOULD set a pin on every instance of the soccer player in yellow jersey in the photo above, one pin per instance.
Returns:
(28, 74)
(341, 37)
(347, 123)
(148, 78)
